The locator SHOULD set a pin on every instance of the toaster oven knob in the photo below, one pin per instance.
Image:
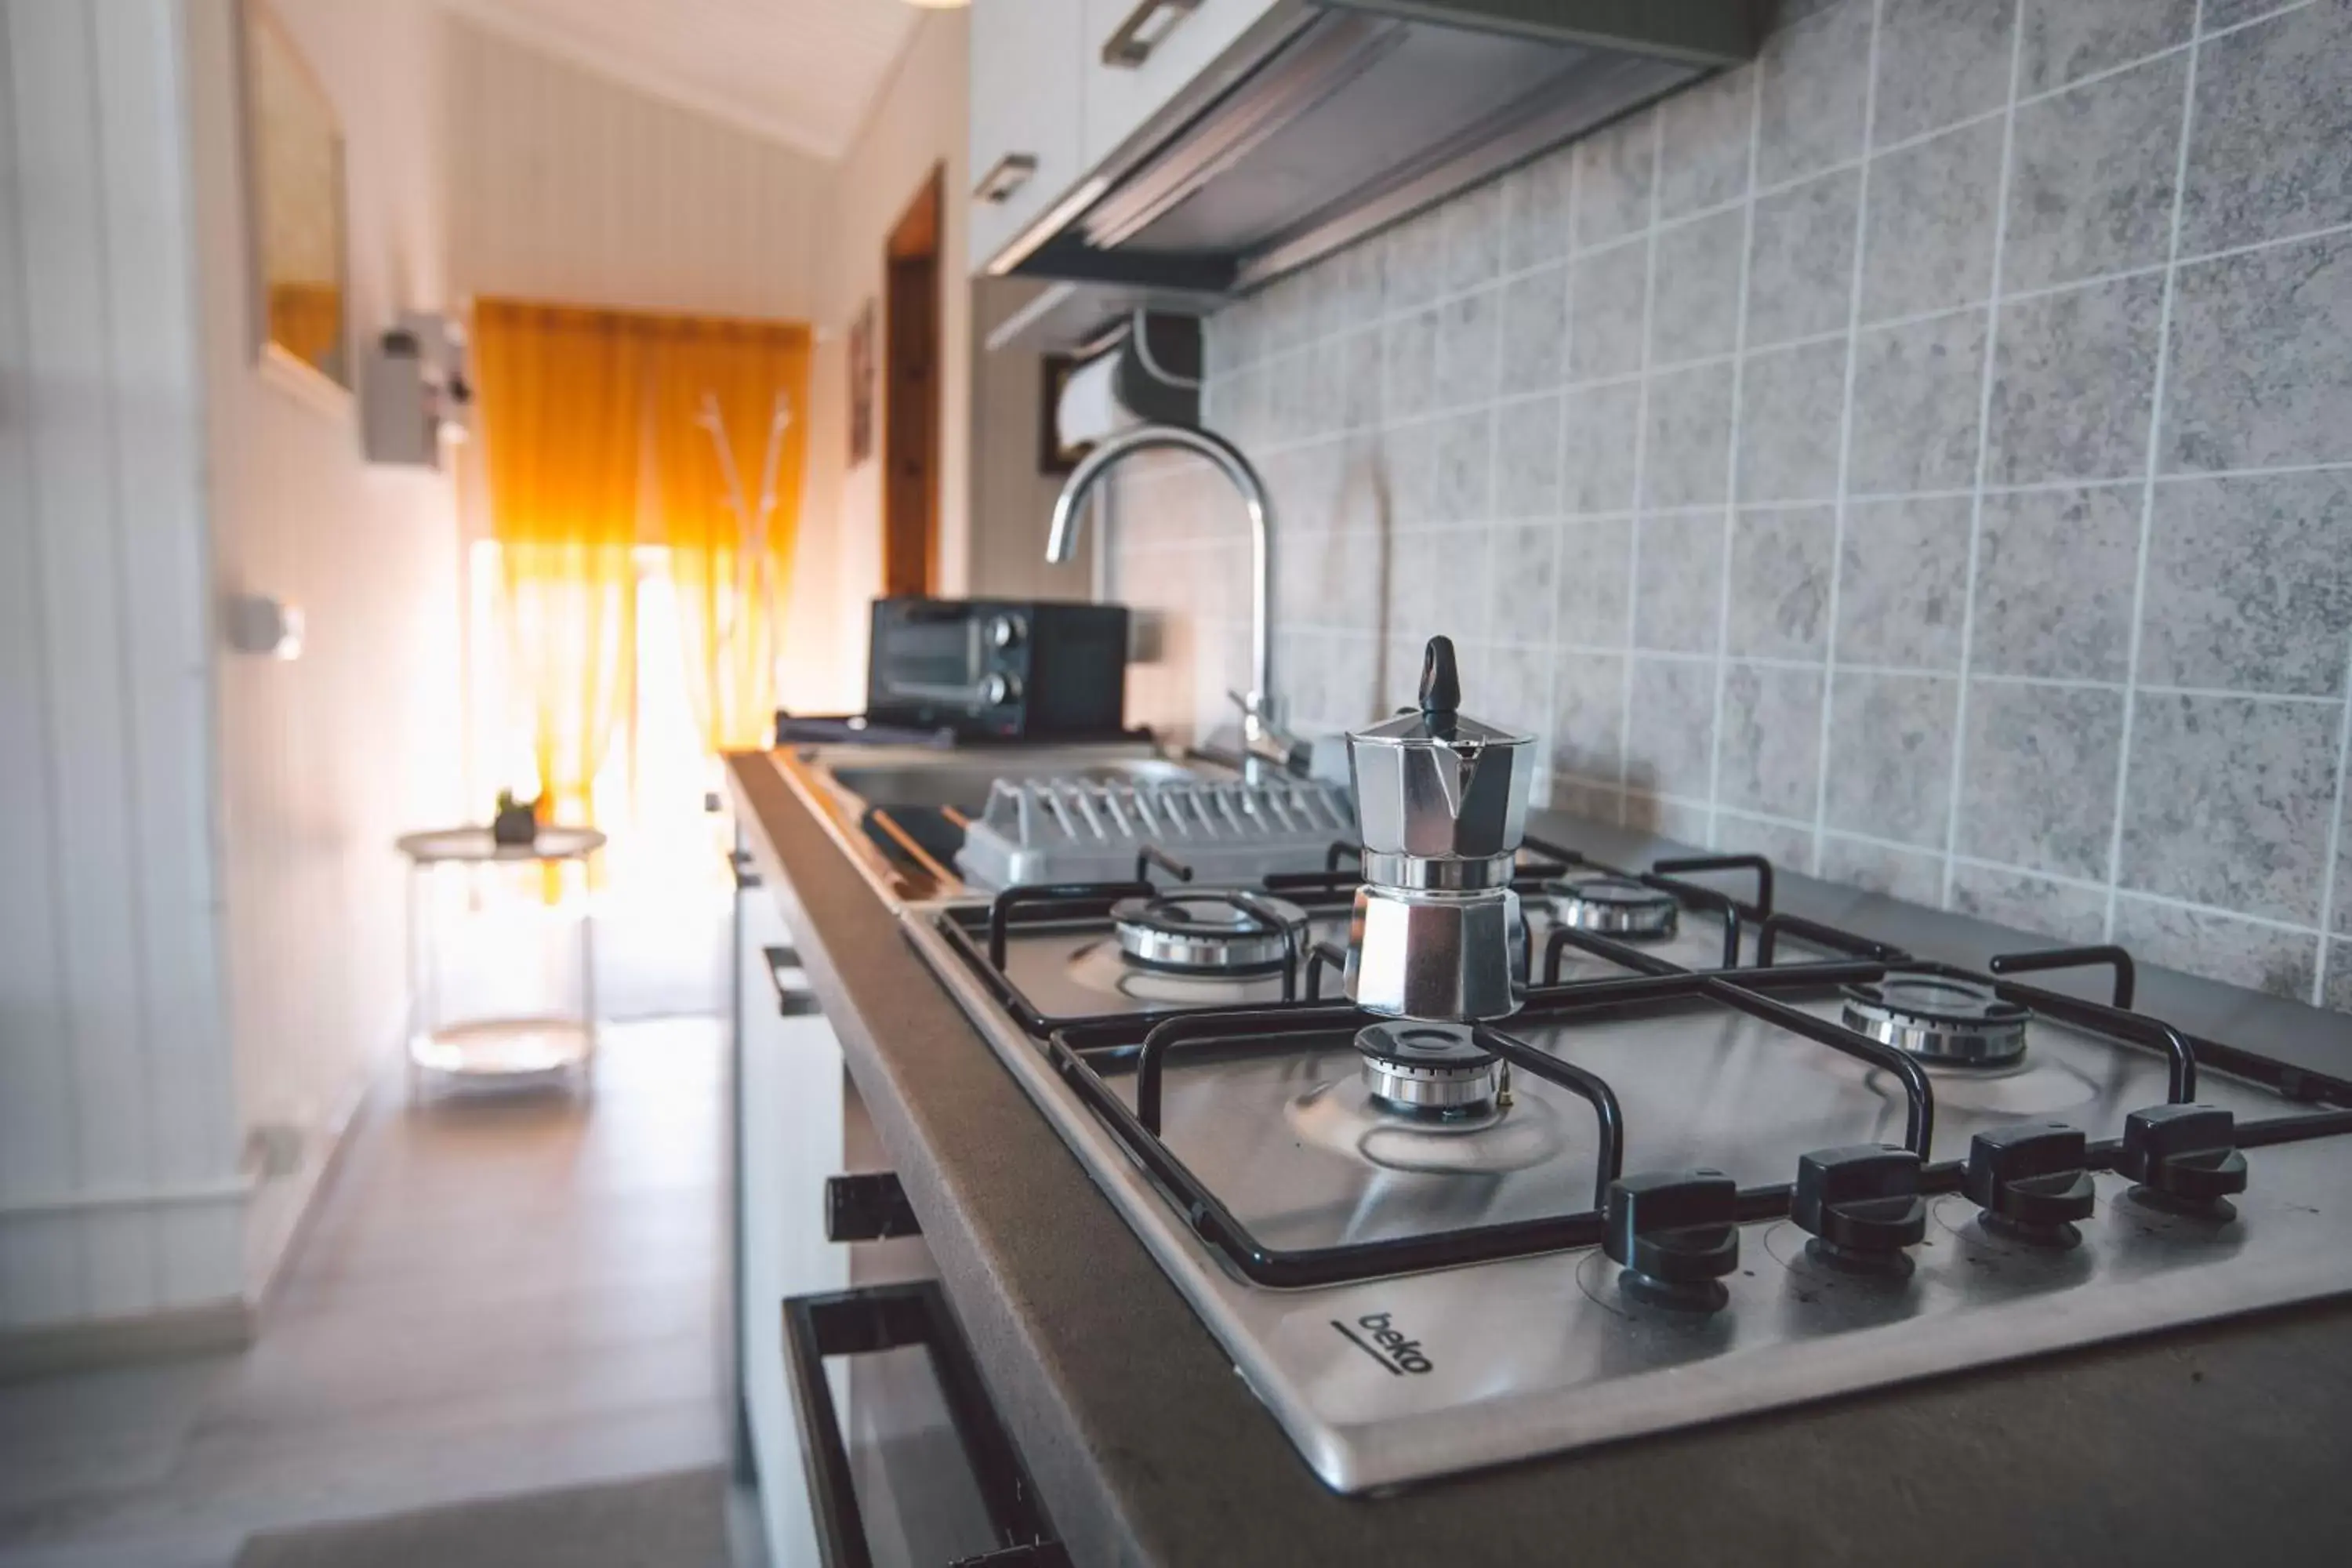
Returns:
(1675, 1233)
(2031, 1179)
(1860, 1205)
(2184, 1154)
(1005, 631)
(1000, 689)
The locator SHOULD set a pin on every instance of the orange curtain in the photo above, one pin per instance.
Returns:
(562, 412)
(571, 402)
(730, 423)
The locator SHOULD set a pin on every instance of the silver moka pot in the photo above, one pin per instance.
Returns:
(1441, 803)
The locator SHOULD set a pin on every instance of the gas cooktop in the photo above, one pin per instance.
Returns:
(1720, 1159)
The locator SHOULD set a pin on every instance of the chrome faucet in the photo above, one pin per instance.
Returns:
(1265, 744)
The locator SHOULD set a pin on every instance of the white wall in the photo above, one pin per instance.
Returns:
(200, 910)
(568, 185)
(1012, 501)
(917, 123)
(118, 1146)
(323, 760)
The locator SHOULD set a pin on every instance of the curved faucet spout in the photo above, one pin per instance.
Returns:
(1259, 733)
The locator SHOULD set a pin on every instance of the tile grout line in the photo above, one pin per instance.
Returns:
(2275, 242)
(1842, 502)
(2166, 901)
(1731, 461)
(1641, 475)
(2030, 486)
(2271, 472)
(1552, 660)
(2132, 687)
(1988, 376)
(2156, 400)
(1492, 529)
(1496, 523)
(1263, 357)
(2331, 870)
(1802, 666)
(2106, 72)
(1433, 411)
(1266, 360)
(1976, 862)
(2200, 34)
(1444, 295)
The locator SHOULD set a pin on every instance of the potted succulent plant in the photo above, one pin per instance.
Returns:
(517, 821)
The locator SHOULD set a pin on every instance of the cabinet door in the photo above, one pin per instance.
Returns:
(1170, 42)
(789, 1140)
(1026, 90)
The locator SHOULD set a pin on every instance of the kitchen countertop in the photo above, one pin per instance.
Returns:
(2228, 1442)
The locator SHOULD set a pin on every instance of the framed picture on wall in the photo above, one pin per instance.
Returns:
(861, 384)
(293, 149)
(1053, 458)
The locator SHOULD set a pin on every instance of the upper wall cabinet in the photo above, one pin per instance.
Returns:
(1140, 53)
(1220, 143)
(1028, 91)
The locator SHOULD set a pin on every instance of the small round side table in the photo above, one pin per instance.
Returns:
(502, 1047)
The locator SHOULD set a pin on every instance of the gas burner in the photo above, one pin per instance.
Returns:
(1347, 1118)
(1206, 932)
(1937, 1018)
(1101, 969)
(1429, 1068)
(1615, 906)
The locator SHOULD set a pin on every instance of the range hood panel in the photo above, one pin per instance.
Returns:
(1433, 84)
(1330, 123)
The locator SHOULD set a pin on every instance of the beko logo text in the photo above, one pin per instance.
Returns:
(1385, 1343)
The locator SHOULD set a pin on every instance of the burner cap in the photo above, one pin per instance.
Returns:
(1615, 906)
(1940, 1018)
(1426, 1067)
(1204, 932)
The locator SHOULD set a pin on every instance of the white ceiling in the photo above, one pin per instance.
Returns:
(802, 70)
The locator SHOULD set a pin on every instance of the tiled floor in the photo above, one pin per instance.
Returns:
(497, 1296)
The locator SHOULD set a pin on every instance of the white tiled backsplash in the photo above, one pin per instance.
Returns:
(1924, 456)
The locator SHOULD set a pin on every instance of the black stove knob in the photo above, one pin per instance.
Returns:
(1676, 1232)
(1862, 1202)
(2032, 1178)
(2186, 1153)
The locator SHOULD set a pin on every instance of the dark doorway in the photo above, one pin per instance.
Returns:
(910, 396)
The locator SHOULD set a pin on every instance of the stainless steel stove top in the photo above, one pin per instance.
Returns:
(1415, 1292)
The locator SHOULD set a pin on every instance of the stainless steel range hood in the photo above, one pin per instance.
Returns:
(1333, 117)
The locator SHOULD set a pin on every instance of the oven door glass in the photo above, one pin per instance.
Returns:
(929, 661)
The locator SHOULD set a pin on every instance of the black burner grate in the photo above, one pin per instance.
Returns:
(1090, 1052)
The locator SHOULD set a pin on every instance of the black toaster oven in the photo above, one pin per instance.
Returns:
(999, 668)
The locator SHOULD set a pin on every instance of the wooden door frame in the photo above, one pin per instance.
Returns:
(913, 390)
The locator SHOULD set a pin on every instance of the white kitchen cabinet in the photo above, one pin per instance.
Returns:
(789, 1140)
(1028, 87)
(1172, 41)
